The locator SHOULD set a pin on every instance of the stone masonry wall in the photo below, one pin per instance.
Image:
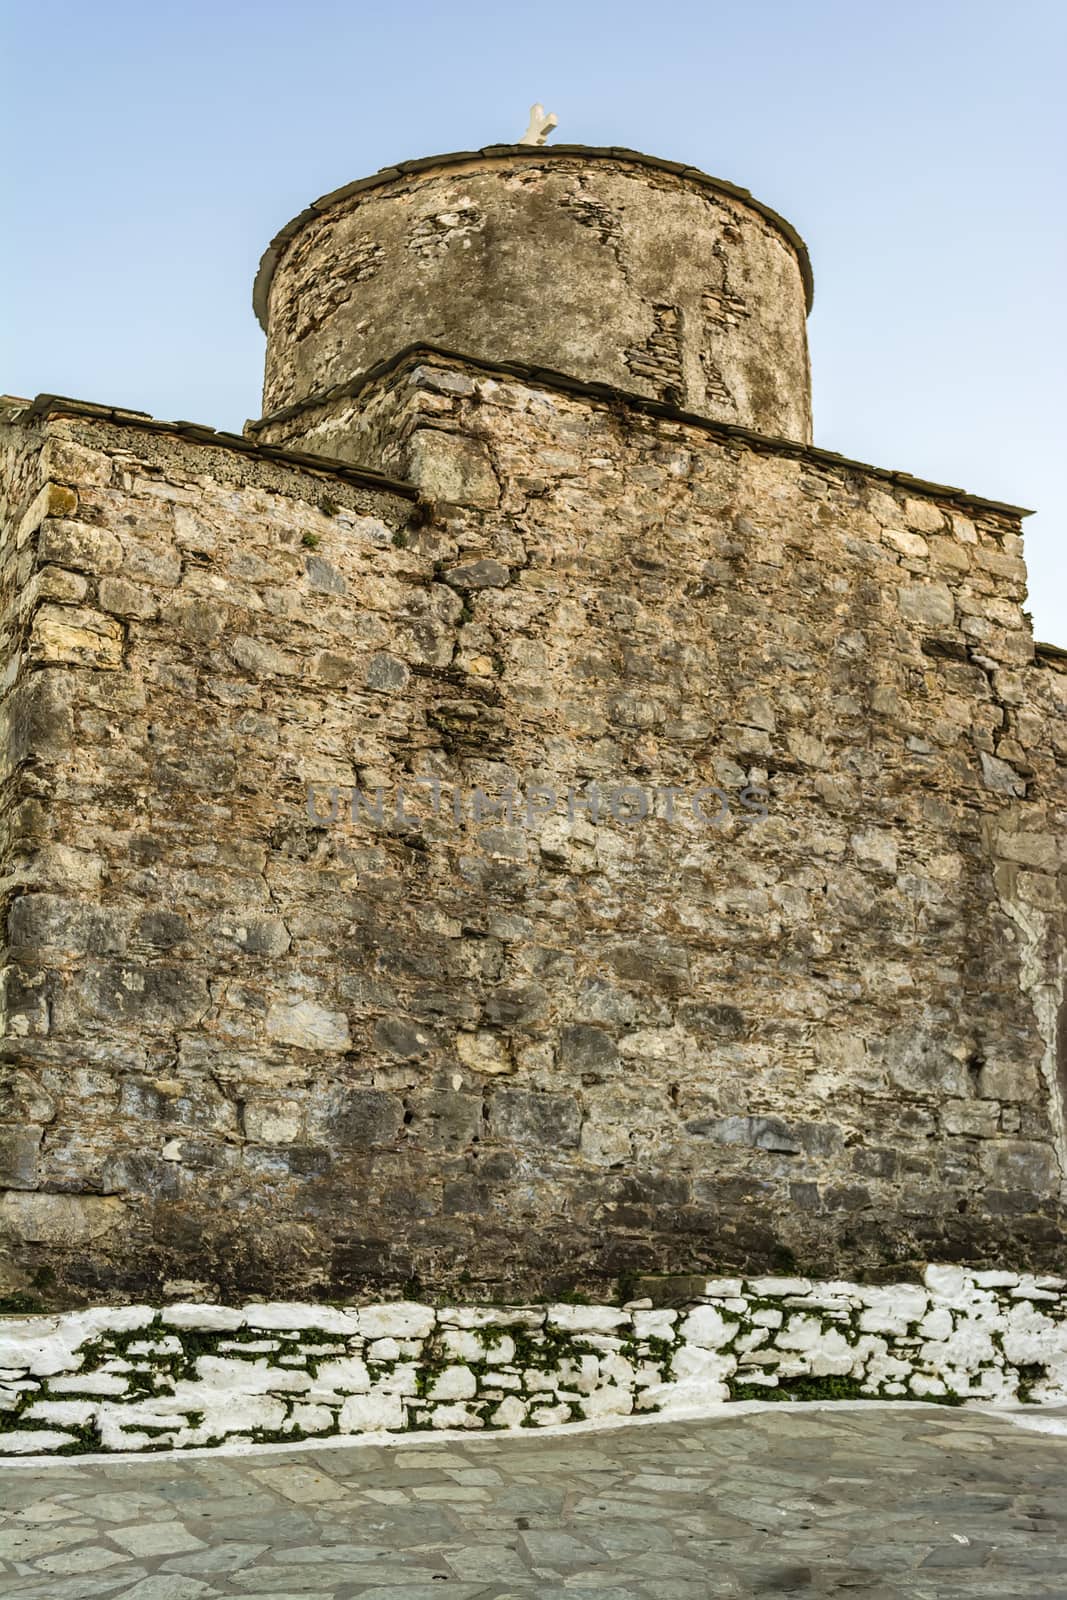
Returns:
(187, 1375)
(610, 266)
(255, 1044)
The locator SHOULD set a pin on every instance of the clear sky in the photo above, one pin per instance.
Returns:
(153, 148)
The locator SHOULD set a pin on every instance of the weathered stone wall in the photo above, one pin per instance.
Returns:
(603, 264)
(262, 1047)
(141, 1378)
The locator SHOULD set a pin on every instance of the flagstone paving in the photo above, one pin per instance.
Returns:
(923, 1502)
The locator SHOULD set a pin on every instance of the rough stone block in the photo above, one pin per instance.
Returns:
(1020, 1164)
(76, 636)
(372, 1413)
(208, 1318)
(348, 1375)
(18, 1157)
(352, 1118)
(535, 1118)
(400, 1319)
(929, 604)
(483, 574)
(587, 1319)
(706, 1327)
(451, 468)
(65, 1220)
(126, 599)
(454, 1383)
(308, 1026)
(484, 1052)
(282, 1314)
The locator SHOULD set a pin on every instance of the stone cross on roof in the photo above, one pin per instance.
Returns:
(540, 126)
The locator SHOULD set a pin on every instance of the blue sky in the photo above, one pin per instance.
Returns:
(918, 147)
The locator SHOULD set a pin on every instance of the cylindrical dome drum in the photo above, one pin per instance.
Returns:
(605, 265)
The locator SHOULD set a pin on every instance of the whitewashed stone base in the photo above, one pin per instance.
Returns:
(142, 1378)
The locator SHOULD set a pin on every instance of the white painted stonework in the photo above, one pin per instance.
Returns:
(187, 1376)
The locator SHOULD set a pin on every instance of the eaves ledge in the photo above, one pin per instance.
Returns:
(47, 406)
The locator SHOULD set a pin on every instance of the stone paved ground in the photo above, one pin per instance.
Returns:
(923, 1502)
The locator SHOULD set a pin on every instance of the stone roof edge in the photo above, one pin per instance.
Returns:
(45, 406)
(403, 169)
(768, 443)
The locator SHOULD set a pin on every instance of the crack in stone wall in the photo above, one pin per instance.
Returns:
(659, 359)
(605, 221)
(721, 309)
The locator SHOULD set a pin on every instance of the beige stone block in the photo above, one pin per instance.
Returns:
(1005, 613)
(59, 1219)
(991, 559)
(1030, 728)
(68, 462)
(946, 867)
(1042, 891)
(76, 636)
(1014, 1164)
(193, 531)
(877, 847)
(1009, 1080)
(154, 561)
(924, 515)
(886, 700)
(909, 544)
(53, 500)
(1029, 849)
(946, 552)
(605, 1144)
(1016, 647)
(160, 489)
(274, 1121)
(36, 719)
(452, 468)
(811, 752)
(54, 583)
(79, 545)
(126, 599)
(928, 603)
(200, 620)
(334, 669)
(483, 1052)
(978, 1119)
(263, 659)
(308, 1026)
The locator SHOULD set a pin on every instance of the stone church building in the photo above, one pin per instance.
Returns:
(520, 816)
